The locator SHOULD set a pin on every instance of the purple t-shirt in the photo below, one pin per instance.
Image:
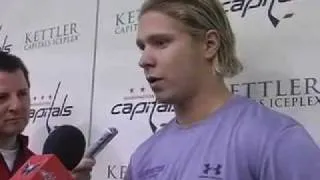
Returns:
(243, 140)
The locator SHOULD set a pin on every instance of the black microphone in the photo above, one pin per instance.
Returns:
(62, 152)
(67, 143)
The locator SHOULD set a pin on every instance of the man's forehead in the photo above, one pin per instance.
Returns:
(158, 24)
(4, 73)
(149, 33)
(155, 35)
(15, 78)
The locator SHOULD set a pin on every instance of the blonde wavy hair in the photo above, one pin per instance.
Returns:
(199, 16)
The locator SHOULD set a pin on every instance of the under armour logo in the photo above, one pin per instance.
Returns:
(208, 167)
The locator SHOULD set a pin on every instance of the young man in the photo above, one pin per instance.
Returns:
(14, 116)
(188, 48)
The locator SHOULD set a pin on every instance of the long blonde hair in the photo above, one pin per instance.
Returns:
(199, 16)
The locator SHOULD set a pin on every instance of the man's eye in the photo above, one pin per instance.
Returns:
(3, 97)
(160, 43)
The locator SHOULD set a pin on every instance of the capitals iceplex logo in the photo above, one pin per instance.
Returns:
(244, 6)
(46, 107)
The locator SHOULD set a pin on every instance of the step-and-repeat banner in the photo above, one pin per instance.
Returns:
(84, 71)
(55, 39)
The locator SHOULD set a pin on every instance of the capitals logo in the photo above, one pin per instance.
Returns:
(140, 103)
(244, 6)
(5, 46)
(45, 107)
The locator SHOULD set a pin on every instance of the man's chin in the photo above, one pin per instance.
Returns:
(12, 131)
(163, 100)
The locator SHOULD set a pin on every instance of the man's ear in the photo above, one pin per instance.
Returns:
(211, 44)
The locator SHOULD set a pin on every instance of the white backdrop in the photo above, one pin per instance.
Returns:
(277, 41)
(56, 41)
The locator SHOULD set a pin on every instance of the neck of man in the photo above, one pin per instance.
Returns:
(202, 104)
(8, 142)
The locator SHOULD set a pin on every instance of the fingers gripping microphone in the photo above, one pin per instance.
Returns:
(63, 150)
(101, 143)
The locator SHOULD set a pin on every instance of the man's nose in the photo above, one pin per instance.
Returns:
(147, 59)
(15, 103)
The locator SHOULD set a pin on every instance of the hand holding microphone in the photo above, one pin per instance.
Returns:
(101, 143)
(63, 150)
(64, 156)
(68, 143)
(82, 171)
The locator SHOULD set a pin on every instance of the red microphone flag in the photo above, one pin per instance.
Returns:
(42, 167)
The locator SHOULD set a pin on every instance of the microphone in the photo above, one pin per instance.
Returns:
(101, 143)
(63, 150)
(67, 143)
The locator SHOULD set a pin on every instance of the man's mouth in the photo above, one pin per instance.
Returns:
(13, 120)
(152, 79)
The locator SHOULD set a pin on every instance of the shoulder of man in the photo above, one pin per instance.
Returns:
(263, 131)
(145, 146)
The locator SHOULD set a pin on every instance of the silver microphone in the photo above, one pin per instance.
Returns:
(101, 143)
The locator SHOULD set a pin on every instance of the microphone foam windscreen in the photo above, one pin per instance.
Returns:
(67, 143)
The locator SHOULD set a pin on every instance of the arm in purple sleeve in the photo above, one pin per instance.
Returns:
(292, 156)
